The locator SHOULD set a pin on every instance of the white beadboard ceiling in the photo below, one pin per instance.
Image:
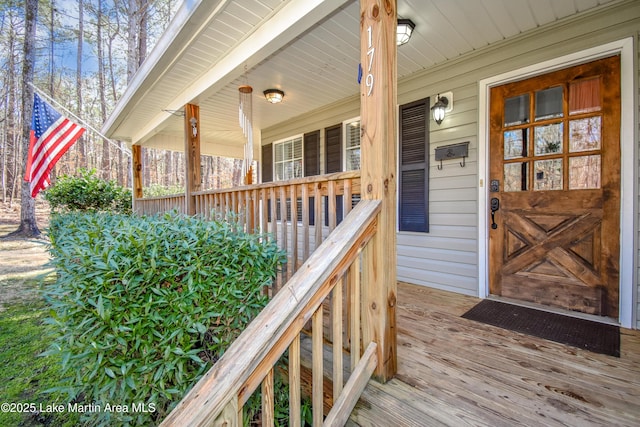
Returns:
(307, 48)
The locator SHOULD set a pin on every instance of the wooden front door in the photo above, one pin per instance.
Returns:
(554, 219)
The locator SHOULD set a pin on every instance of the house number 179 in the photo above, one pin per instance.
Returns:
(370, 54)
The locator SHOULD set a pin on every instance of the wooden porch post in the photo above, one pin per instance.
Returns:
(136, 164)
(378, 94)
(192, 155)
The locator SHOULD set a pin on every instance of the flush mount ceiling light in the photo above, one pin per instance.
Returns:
(274, 96)
(405, 28)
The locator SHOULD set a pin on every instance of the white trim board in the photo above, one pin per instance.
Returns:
(625, 48)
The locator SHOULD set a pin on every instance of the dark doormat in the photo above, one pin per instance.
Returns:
(587, 335)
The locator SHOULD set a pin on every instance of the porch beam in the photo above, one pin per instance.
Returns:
(378, 94)
(136, 154)
(192, 155)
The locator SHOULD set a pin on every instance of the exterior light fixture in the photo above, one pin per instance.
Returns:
(194, 126)
(274, 96)
(404, 30)
(439, 108)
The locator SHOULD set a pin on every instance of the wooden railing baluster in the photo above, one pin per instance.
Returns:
(268, 401)
(317, 196)
(305, 221)
(336, 313)
(317, 398)
(348, 196)
(264, 221)
(295, 416)
(333, 213)
(294, 229)
(274, 215)
(354, 312)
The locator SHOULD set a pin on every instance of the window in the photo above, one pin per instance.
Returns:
(288, 159)
(562, 148)
(352, 144)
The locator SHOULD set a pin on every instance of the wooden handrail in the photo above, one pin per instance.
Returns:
(250, 359)
(166, 196)
(296, 181)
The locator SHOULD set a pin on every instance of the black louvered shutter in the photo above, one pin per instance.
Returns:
(311, 167)
(333, 149)
(312, 153)
(333, 163)
(267, 170)
(267, 163)
(414, 166)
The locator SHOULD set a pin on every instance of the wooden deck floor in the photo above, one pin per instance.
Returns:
(456, 372)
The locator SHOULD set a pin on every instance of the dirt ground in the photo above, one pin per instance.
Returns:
(23, 262)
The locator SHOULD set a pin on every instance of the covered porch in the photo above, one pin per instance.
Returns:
(340, 140)
(450, 371)
(457, 372)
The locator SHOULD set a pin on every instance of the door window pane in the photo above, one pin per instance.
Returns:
(547, 175)
(548, 139)
(516, 110)
(549, 103)
(515, 143)
(515, 176)
(584, 96)
(584, 172)
(585, 134)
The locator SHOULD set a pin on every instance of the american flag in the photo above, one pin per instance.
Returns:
(51, 136)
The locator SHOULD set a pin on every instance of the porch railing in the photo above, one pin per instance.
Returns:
(218, 398)
(154, 205)
(298, 214)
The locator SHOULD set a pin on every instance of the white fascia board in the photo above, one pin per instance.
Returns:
(293, 19)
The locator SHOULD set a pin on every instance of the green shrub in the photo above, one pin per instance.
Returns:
(144, 305)
(87, 192)
(252, 410)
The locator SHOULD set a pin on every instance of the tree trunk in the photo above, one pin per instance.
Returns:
(52, 36)
(123, 168)
(51, 46)
(137, 40)
(168, 160)
(28, 225)
(143, 8)
(80, 144)
(132, 63)
(146, 164)
(106, 158)
(9, 117)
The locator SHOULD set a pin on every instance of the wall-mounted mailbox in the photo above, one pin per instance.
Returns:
(453, 151)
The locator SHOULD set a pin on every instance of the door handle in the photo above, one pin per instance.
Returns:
(495, 205)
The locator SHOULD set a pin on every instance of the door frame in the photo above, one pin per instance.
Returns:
(624, 47)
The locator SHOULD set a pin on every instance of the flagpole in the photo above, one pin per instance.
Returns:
(84, 123)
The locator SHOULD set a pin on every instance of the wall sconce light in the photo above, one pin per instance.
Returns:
(443, 105)
(274, 96)
(194, 126)
(404, 30)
